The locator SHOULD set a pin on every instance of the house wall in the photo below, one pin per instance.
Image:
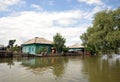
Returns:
(31, 49)
(76, 49)
(40, 46)
(35, 48)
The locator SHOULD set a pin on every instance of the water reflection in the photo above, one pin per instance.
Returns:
(102, 70)
(60, 69)
(38, 65)
(9, 61)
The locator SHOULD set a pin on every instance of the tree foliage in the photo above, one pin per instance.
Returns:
(42, 49)
(104, 35)
(10, 44)
(59, 42)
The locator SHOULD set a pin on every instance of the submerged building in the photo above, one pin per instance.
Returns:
(2, 48)
(36, 46)
(76, 47)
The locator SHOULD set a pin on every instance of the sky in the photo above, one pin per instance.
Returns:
(25, 19)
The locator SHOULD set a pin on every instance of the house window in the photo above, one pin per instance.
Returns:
(24, 48)
(32, 48)
(29, 48)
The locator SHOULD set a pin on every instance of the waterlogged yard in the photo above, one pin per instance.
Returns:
(60, 69)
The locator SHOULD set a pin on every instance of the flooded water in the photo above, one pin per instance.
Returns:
(60, 69)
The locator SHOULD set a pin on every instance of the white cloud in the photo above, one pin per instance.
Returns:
(98, 2)
(4, 4)
(89, 15)
(65, 22)
(37, 7)
(29, 24)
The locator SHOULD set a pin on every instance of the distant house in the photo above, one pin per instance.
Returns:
(2, 47)
(76, 47)
(36, 46)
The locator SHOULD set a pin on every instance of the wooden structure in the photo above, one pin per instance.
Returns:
(76, 47)
(75, 50)
(37, 45)
(4, 54)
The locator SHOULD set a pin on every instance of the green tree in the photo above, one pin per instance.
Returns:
(42, 49)
(16, 48)
(10, 44)
(103, 36)
(59, 42)
(65, 49)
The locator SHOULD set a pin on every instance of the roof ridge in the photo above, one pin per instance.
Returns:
(41, 40)
(35, 39)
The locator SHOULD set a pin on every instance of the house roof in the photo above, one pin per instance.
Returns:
(76, 46)
(1, 45)
(38, 40)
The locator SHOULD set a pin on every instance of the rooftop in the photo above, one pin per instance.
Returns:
(76, 46)
(38, 40)
(1, 45)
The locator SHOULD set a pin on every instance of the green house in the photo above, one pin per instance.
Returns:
(36, 46)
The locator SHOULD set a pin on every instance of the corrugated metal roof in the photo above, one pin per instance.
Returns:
(38, 40)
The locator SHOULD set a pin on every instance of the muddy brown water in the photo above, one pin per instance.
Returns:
(60, 69)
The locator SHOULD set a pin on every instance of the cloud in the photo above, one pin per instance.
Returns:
(90, 2)
(65, 22)
(28, 24)
(37, 7)
(89, 14)
(5, 4)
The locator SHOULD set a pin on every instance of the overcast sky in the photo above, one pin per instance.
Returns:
(25, 19)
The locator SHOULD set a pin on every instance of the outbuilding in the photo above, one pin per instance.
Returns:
(76, 47)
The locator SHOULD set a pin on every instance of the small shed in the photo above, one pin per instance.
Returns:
(2, 47)
(76, 47)
(37, 45)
